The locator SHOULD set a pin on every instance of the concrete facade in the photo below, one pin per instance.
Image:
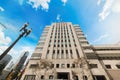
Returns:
(63, 53)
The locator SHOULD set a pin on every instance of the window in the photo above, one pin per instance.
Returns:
(77, 53)
(47, 54)
(69, 40)
(93, 65)
(85, 77)
(69, 45)
(99, 77)
(42, 77)
(75, 45)
(62, 51)
(68, 65)
(34, 65)
(62, 65)
(118, 66)
(57, 65)
(37, 55)
(108, 66)
(62, 45)
(29, 77)
(74, 40)
(67, 54)
(39, 48)
(65, 40)
(71, 54)
(65, 45)
(52, 65)
(75, 77)
(58, 55)
(54, 45)
(68, 37)
(51, 77)
(73, 65)
(49, 45)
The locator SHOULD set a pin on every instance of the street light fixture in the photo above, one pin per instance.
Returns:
(25, 32)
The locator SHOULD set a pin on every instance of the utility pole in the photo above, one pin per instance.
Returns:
(25, 32)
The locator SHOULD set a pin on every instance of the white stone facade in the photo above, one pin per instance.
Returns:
(63, 53)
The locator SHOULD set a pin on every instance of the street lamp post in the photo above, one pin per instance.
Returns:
(25, 32)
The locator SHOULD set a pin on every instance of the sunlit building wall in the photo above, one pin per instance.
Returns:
(64, 53)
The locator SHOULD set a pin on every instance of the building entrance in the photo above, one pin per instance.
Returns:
(63, 75)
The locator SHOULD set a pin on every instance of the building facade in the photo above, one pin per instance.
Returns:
(3, 64)
(63, 53)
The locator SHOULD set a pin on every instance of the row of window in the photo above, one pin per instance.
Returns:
(75, 77)
(110, 58)
(58, 45)
(109, 49)
(63, 54)
(66, 66)
(60, 40)
(109, 66)
(74, 66)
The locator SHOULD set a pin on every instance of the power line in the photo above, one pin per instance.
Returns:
(3, 25)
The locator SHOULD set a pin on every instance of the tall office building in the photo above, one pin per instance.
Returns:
(18, 68)
(4, 62)
(64, 53)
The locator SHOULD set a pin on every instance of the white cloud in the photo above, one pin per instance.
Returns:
(64, 2)
(116, 6)
(39, 3)
(4, 40)
(20, 2)
(58, 17)
(110, 6)
(102, 37)
(98, 2)
(111, 26)
(105, 12)
(2, 48)
(1, 9)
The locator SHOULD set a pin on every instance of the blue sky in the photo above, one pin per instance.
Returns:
(99, 20)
